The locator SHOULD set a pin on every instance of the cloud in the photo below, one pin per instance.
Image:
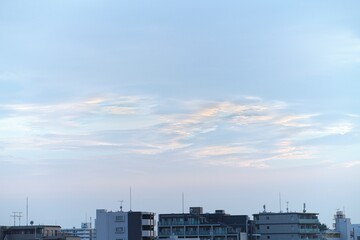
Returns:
(296, 120)
(242, 133)
(351, 164)
(332, 49)
(214, 151)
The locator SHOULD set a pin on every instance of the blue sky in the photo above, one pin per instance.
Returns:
(229, 102)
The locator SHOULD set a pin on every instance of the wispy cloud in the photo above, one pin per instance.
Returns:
(243, 133)
(351, 164)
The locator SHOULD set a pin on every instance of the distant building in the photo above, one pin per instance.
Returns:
(35, 232)
(344, 229)
(286, 226)
(330, 235)
(86, 232)
(356, 231)
(121, 225)
(343, 226)
(203, 226)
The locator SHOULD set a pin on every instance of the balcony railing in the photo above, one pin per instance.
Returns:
(309, 230)
(178, 223)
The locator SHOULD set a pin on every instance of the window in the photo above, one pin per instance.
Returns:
(120, 218)
(267, 227)
(120, 230)
(268, 237)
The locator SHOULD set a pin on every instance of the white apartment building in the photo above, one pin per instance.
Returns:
(121, 225)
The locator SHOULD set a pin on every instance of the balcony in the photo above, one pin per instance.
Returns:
(147, 222)
(148, 233)
(178, 223)
(309, 230)
(309, 221)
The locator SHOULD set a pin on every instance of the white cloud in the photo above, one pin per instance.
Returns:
(351, 164)
(237, 133)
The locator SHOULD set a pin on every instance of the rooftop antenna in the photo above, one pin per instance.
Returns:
(20, 216)
(130, 199)
(304, 210)
(14, 216)
(264, 207)
(121, 203)
(280, 202)
(27, 211)
(182, 202)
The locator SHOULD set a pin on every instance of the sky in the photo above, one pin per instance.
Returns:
(232, 103)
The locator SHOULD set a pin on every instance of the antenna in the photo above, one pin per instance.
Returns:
(264, 207)
(130, 199)
(27, 211)
(183, 202)
(280, 201)
(14, 216)
(304, 211)
(19, 216)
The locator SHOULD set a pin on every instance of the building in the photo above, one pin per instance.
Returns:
(203, 226)
(330, 235)
(344, 229)
(121, 225)
(34, 232)
(286, 225)
(356, 231)
(85, 232)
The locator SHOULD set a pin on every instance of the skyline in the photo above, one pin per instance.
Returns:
(241, 99)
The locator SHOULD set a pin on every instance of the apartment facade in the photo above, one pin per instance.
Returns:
(286, 226)
(203, 226)
(85, 232)
(35, 232)
(121, 225)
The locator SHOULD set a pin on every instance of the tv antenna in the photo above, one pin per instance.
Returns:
(17, 215)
